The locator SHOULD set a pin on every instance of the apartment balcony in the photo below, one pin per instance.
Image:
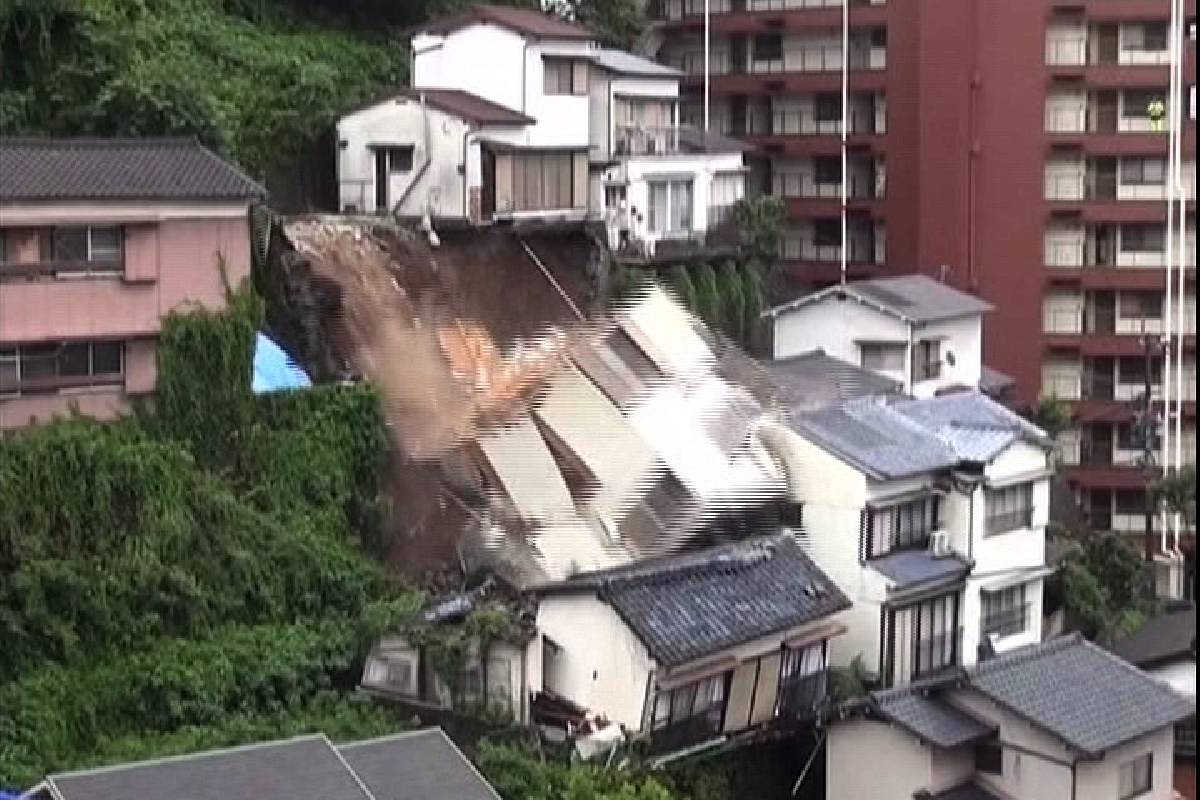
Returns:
(741, 16)
(646, 140)
(808, 193)
(792, 126)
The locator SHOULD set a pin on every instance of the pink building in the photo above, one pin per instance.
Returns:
(99, 240)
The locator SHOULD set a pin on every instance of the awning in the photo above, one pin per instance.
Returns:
(1023, 477)
(1010, 578)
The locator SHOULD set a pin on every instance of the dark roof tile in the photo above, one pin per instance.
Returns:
(34, 169)
(416, 765)
(470, 107)
(527, 21)
(814, 379)
(930, 719)
(1163, 638)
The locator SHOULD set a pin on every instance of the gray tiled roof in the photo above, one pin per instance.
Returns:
(873, 436)
(814, 379)
(625, 63)
(900, 438)
(977, 427)
(911, 568)
(1165, 637)
(306, 768)
(118, 169)
(928, 718)
(688, 606)
(1088, 698)
(916, 298)
(416, 766)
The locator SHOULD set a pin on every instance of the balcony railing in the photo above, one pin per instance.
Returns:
(861, 251)
(820, 59)
(1009, 622)
(646, 140)
(691, 731)
(808, 188)
(1067, 51)
(801, 695)
(1062, 321)
(936, 653)
(861, 122)
(675, 10)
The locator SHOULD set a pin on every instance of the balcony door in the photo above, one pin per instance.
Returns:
(921, 638)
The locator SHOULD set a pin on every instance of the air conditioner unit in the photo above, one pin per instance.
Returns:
(939, 544)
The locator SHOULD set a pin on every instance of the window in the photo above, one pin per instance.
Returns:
(726, 189)
(543, 181)
(1141, 305)
(801, 679)
(671, 207)
(828, 169)
(927, 360)
(989, 758)
(935, 634)
(1146, 238)
(47, 367)
(1144, 171)
(1005, 612)
(827, 232)
(564, 76)
(1136, 777)
(1137, 102)
(828, 107)
(1009, 508)
(1147, 36)
(879, 37)
(901, 526)
(399, 159)
(704, 699)
(85, 250)
(768, 47)
(881, 356)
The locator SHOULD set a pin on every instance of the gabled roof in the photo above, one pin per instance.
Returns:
(1090, 699)
(408, 766)
(305, 768)
(40, 169)
(929, 718)
(624, 63)
(470, 107)
(814, 379)
(525, 21)
(416, 765)
(899, 438)
(916, 299)
(688, 606)
(1168, 636)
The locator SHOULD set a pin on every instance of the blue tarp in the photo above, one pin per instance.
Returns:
(274, 370)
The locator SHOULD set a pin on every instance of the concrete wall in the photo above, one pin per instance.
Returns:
(173, 257)
(601, 664)
(868, 759)
(435, 136)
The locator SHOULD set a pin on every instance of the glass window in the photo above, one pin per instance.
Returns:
(1141, 305)
(1137, 102)
(399, 159)
(1009, 508)
(828, 107)
(9, 373)
(827, 169)
(70, 244)
(827, 232)
(768, 47)
(1005, 612)
(557, 76)
(927, 359)
(670, 207)
(74, 360)
(1136, 777)
(1144, 171)
(881, 356)
(989, 758)
(107, 358)
(104, 245)
(1144, 238)
(39, 362)
(52, 366)
(902, 526)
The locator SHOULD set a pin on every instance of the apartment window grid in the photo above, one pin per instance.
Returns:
(83, 250)
(48, 367)
(1006, 611)
(881, 356)
(1009, 508)
(1148, 171)
(671, 207)
(904, 526)
(1143, 238)
(1146, 36)
(1136, 777)
(935, 634)
(702, 701)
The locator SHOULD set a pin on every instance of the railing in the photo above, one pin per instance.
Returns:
(646, 140)
(693, 730)
(783, 122)
(820, 59)
(1063, 387)
(1139, 57)
(801, 695)
(675, 10)
(786, 5)
(1008, 622)
(692, 63)
(1062, 321)
(861, 251)
(807, 187)
(1066, 120)
(1009, 521)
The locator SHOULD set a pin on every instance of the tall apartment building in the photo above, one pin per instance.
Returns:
(1006, 147)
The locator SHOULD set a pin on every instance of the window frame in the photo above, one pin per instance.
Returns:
(927, 360)
(570, 76)
(774, 51)
(878, 349)
(16, 357)
(993, 604)
(1015, 518)
(89, 265)
(1135, 789)
(674, 228)
(1137, 243)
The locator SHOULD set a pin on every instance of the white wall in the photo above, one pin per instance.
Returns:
(700, 168)
(1100, 779)
(403, 121)
(602, 665)
(835, 325)
(964, 338)
(869, 759)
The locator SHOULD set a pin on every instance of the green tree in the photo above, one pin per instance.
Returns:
(708, 295)
(759, 221)
(521, 774)
(1178, 493)
(617, 23)
(1107, 590)
(682, 286)
(1051, 415)
(733, 302)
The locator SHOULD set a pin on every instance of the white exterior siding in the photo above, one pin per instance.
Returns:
(868, 759)
(435, 136)
(840, 327)
(601, 664)
(1101, 778)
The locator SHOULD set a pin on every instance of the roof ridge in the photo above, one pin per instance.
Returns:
(102, 141)
(757, 551)
(1025, 654)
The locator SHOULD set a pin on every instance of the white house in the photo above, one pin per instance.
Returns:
(930, 514)
(1062, 720)
(636, 646)
(657, 181)
(915, 330)
(514, 114)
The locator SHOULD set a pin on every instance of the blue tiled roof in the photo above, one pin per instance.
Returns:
(910, 568)
(928, 718)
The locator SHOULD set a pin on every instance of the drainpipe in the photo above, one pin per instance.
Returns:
(466, 192)
(845, 136)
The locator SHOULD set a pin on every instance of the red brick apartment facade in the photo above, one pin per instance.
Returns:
(1003, 146)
